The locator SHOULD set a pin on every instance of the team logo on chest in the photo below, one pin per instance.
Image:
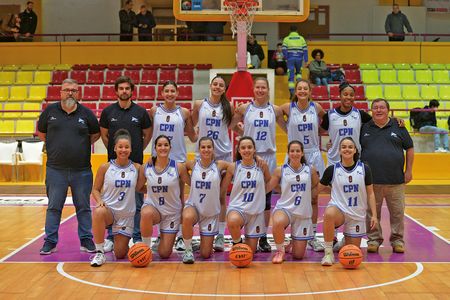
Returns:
(168, 119)
(249, 174)
(297, 178)
(345, 122)
(214, 113)
(203, 175)
(159, 180)
(123, 174)
(350, 179)
(304, 118)
(261, 114)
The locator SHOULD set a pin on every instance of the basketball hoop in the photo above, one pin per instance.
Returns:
(241, 11)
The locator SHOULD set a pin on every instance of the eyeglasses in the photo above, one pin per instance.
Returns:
(67, 91)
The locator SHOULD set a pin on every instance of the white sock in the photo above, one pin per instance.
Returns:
(99, 247)
(280, 247)
(187, 243)
(328, 247)
(179, 234)
(222, 226)
(336, 233)
(314, 226)
(239, 240)
(147, 241)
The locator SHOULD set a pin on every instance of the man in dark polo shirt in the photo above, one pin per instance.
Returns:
(383, 144)
(68, 129)
(134, 118)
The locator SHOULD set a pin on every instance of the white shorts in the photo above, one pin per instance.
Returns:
(301, 228)
(167, 223)
(122, 224)
(208, 226)
(353, 227)
(270, 158)
(255, 226)
(314, 158)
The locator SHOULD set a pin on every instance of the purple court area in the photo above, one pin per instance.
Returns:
(421, 246)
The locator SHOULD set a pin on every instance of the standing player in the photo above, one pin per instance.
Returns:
(203, 206)
(134, 118)
(247, 198)
(298, 183)
(173, 121)
(259, 119)
(351, 194)
(163, 206)
(114, 192)
(303, 120)
(213, 116)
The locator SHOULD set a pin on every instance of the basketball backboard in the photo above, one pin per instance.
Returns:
(267, 10)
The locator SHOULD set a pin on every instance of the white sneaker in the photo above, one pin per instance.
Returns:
(337, 247)
(179, 244)
(439, 150)
(156, 244)
(188, 257)
(98, 260)
(219, 243)
(316, 245)
(328, 259)
(108, 246)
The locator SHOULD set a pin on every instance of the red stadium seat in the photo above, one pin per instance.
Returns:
(95, 77)
(108, 93)
(333, 67)
(204, 66)
(91, 93)
(98, 67)
(116, 66)
(325, 104)
(150, 66)
(361, 105)
(185, 76)
(149, 77)
(82, 67)
(168, 66)
(353, 76)
(135, 75)
(158, 95)
(103, 105)
(350, 66)
(146, 92)
(44, 106)
(359, 92)
(59, 76)
(184, 92)
(334, 93)
(79, 76)
(186, 66)
(146, 105)
(53, 93)
(111, 76)
(92, 106)
(166, 75)
(133, 66)
(320, 93)
(187, 105)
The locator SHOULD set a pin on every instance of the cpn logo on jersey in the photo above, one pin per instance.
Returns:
(121, 183)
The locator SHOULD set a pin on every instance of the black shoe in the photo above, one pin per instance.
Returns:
(263, 245)
(87, 245)
(47, 248)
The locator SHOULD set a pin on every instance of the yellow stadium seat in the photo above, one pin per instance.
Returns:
(12, 106)
(7, 78)
(63, 67)
(407, 124)
(443, 105)
(369, 76)
(37, 93)
(24, 77)
(411, 92)
(28, 67)
(424, 76)
(10, 68)
(374, 92)
(47, 67)
(4, 93)
(444, 92)
(385, 66)
(442, 123)
(31, 106)
(441, 76)
(429, 92)
(416, 104)
(25, 127)
(388, 76)
(393, 92)
(406, 76)
(42, 77)
(6, 127)
(18, 93)
(394, 105)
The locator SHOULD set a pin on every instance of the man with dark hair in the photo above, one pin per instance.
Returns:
(394, 24)
(134, 118)
(127, 21)
(145, 23)
(68, 130)
(383, 144)
(295, 51)
(428, 124)
(28, 24)
(256, 52)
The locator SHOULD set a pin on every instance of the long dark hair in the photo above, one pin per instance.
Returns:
(162, 136)
(344, 85)
(302, 160)
(356, 155)
(294, 96)
(226, 107)
(238, 154)
(170, 82)
(122, 134)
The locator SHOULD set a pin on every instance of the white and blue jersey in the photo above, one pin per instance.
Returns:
(303, 126)
(205, 189)
(119, 188)
(163, 189)
(248, 193)
(170, 123)
(341, 126)
(211, 124)
(348, 191)
(259, 123)
(295, 191)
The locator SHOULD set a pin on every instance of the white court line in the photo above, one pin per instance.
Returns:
(426, 228)
(31, 241)
(60, 269)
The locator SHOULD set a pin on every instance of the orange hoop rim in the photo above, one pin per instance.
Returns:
(240, 6)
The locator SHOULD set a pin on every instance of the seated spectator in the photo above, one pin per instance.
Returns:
(14, 27)
(428, 125)
(256, 52)
(318, 71)
(278, 61)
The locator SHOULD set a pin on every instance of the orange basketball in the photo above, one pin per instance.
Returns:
(350, 256)
(140, 255)
(241, 255)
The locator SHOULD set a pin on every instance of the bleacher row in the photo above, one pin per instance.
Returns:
(23, 89)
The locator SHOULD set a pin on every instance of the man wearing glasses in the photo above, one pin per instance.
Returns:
(68, 129)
